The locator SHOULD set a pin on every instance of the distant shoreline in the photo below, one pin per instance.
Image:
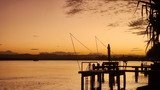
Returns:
(22, 57)
(74, 60)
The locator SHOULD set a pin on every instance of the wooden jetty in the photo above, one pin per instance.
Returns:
(113, 69)
(95, 73)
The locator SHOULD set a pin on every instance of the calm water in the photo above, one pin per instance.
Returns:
(50, 75)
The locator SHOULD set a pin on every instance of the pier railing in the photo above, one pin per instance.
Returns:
(88, 65)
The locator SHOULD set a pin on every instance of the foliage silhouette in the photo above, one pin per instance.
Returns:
(152, 10)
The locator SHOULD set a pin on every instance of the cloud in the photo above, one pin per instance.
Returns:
(34, 49)
(75, 6)
(35, 36)
(100, 6)
(136, 49)
(74, 11)
(113, 24)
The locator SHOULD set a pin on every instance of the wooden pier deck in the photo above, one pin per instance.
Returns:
(113, 70)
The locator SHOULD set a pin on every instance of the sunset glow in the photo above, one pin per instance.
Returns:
(33, 26)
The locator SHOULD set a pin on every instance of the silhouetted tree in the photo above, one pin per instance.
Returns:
(152, 10)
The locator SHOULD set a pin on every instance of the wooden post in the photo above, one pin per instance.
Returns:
(100, 82)
(145, 71)
(97, 78)
(81, 66)
(92, 82)
(103, 77)
(86, 83)
(82, 82)
(93, 66)
(98, 66)
(142, 66)
(124, 81)
(102, 73)
(111, 80)
(98, 69)
(118, 82)
(136, 74)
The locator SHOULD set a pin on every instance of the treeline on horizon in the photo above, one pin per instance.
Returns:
(47, 56)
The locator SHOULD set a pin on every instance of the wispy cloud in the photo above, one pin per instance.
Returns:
(35, 36)
(136, 49)
(113, 24)
(34, 49)
(100, 6)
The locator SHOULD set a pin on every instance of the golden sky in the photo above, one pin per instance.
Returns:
(44, 25)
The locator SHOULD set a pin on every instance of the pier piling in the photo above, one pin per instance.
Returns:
(82, 82)
(136, 74)
(100, 82)
(92, 82)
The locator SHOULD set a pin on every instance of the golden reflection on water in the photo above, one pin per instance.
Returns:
(49, 75)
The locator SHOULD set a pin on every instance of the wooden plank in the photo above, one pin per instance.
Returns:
(107, 71)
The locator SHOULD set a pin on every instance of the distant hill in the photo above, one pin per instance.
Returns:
(9, 52)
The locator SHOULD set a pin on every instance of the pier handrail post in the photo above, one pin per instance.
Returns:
(142, 66)
(98, 66)
(82, 66)
(145, 73)
(93, 66)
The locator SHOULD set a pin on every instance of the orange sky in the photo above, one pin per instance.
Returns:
(44, 25)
